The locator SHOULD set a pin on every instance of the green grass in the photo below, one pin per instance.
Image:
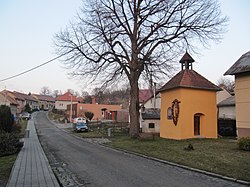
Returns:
(221, 156)
(6, 164)
(99, 133)
(90, 134)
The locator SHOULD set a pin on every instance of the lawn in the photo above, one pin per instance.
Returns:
(6, 164)
(100, 132)
(220, 156)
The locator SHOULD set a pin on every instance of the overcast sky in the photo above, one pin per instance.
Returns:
(26, 40)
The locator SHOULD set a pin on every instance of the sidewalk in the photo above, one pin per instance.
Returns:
(31, 168)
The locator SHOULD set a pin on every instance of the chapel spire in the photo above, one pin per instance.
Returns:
(186, 61)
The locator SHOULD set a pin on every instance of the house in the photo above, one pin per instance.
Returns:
(26, 99)
(226, 112)
(227, 117)
(150, 116)
(223, 94)
(150, 120)
(101, 111)
(241, 70)
(226, 108)
(188, 105)
(45, 102)
(20, 100)
(5, 99)
(144, 95)
(62, 101)
(154, 101)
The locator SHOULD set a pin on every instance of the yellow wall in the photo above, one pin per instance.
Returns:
(193, 101)
(242, 93)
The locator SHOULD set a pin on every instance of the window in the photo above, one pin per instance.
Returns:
(151, 125)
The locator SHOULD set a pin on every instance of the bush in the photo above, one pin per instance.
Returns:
(244, 143)
(16, 127)
(9, 143)
(89, 115)
(6, 119)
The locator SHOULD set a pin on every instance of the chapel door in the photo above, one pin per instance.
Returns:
(196, 125)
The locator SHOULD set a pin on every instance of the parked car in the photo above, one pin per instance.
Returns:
(79, 119)
(26, 115)
(81, 127)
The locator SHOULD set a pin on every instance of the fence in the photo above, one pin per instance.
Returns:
(115, 128)
(227, 127)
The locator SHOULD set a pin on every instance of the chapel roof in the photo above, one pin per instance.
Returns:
(189, 79)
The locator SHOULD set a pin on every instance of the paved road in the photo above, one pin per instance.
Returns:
(100, 166)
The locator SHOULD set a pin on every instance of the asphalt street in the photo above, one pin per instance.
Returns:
(97, 165)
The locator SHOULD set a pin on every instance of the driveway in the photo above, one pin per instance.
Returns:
(95, 165)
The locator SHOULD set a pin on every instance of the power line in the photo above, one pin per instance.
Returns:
(47, 62)
(53, 59)
(19, 74)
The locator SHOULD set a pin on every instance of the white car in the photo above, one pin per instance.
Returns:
(79, 119)
(26, 115)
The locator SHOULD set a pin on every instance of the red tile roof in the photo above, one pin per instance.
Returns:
(9, 98)
(144, 95)
(44, 98)
(23, 96)
(189, 79)
(66, 97)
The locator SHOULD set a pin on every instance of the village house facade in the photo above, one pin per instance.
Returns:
(100, 111)
(62, 101)
(18, 100)
(45, 102)
(27, 100)
(241, 70)
(5, 99)
(150, 111)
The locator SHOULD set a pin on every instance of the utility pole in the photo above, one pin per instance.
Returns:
(70, 112)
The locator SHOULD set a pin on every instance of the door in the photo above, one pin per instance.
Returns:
(196, 125)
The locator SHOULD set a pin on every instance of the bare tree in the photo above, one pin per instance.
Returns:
(56, 93)
(45, 90)
(115, 40)
(84, 93)
(227, 83)
(73, 92)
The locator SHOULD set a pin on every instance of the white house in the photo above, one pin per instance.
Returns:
(63, 100)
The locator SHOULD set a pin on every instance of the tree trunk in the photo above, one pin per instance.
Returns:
(134, 106)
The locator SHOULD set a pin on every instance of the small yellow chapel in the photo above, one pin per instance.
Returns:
(188, 105)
